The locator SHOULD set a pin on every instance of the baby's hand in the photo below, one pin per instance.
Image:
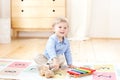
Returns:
(55, 65)
(72, 66)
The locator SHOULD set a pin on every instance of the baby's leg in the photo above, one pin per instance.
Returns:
(41, 61)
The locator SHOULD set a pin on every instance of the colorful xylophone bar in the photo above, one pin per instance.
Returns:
(80, 72)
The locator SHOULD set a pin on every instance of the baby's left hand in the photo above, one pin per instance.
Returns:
(72, 66)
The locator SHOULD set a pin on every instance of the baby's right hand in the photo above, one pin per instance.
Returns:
(55, 65)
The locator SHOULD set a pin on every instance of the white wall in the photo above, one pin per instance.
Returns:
(5, 30)
(95, 18)
(78, 18)
(105, 19)
(100, 18)
(114, 20)
(4, 8)
(5, 34)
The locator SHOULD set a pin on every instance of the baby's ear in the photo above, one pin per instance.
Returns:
(53, 29)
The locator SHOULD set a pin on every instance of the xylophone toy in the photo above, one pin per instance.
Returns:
(80, 72)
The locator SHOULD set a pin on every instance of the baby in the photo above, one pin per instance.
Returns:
(57, 49)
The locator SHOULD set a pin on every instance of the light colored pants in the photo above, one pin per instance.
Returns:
(41, 59)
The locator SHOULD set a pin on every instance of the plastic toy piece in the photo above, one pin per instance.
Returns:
(73, 72)
(87, 71)
(80, 72)
(91, 70)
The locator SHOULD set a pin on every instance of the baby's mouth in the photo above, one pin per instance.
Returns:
(62, 32)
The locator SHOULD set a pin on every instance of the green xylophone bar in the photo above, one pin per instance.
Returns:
(88, 71)
(91, 70)
(80, 71)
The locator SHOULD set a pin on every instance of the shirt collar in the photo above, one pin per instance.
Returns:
(64, 40)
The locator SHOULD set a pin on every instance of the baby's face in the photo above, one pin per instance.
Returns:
(61, 29)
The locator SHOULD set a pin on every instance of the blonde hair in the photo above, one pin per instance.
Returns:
(59, 20)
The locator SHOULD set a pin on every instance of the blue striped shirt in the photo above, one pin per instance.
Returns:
(54, 47)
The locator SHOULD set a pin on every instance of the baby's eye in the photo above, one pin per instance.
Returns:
(60, 27)
(65, 27)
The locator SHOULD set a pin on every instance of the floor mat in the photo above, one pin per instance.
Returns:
(27, 70)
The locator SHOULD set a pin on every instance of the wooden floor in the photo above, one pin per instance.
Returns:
(92, 50)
